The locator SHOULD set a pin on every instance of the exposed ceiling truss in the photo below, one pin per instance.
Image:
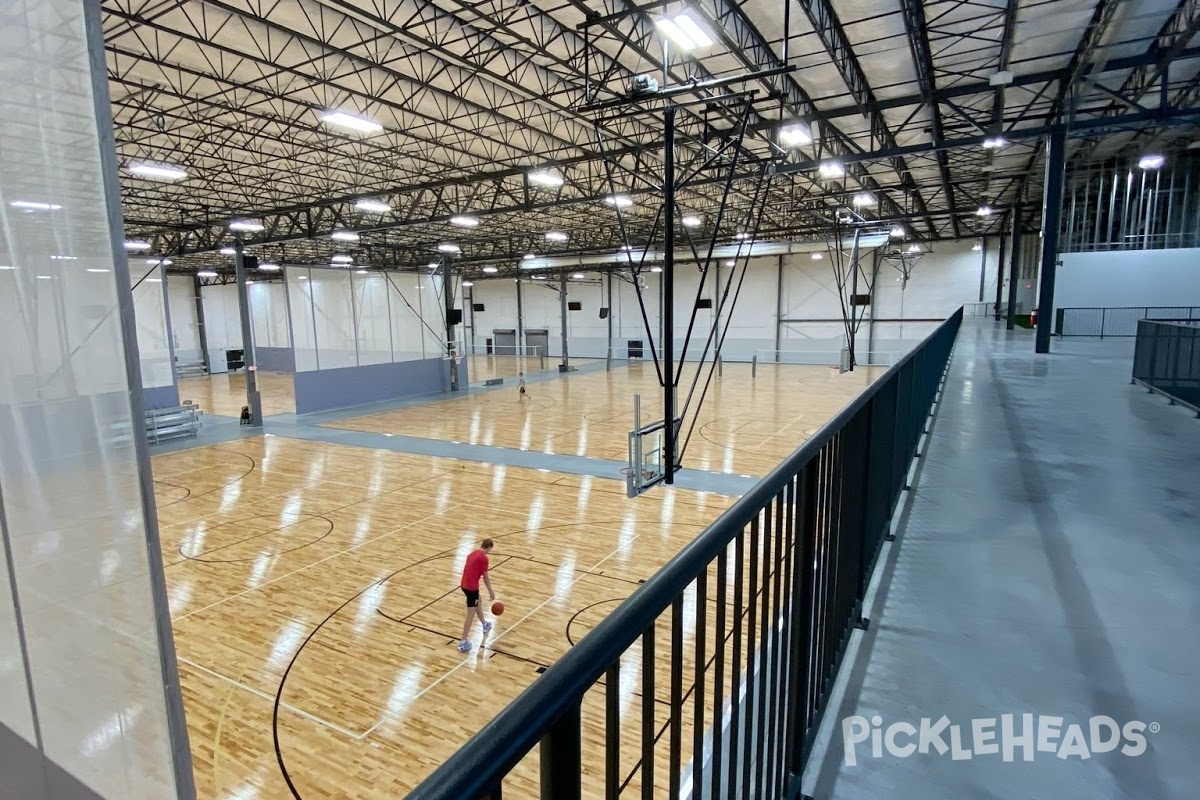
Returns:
(472, 97)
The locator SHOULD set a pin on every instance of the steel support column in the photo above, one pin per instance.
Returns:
(199, 284)
(1056, 161)
(1014, 267)
(1000, 274)
(520, 326)
(562, 310)
(982, 267)
(609, 319)
(668, 291)
(253, 399)
(779, 307)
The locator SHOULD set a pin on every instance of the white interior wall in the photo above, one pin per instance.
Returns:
(181, 300)
(268, 314)
(940, 282)
(222, 318)
(1128, 278)
(150, 314)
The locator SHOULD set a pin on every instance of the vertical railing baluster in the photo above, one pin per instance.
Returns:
(764, 657)
(699, 669)
(676, 723)
(562, 757)
(648, 706)
(751, 658)
(735, 678)
(719, 642)
(612, 732)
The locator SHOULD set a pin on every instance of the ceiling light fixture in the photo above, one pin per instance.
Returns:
(361, 271)
(578, 276)
(619, 200)
(164, 172)
(863, 200)
(556, 236)
(977, 247)
(1154, 161)
(136, 245)
(372, 206)
(914, 248)
(528, 257)
(29, 205)
(344, 236)
(267, 266)
(691, 221)
(64, 258)
(467, 284)
(544, 177)
(490, 270)
(816, 256)
(684, 31)
(206, 273)
(447, 247)
(831, 169)
(984, 211)
(464, 221)
(731, 263)
(796, 134)
(656, 269)
(96, 269)
(248, 225)
(342, 259)
(355, 123)
(45, 277)
(228, 251)
(994, 142)
(159, 262)
(897, 232)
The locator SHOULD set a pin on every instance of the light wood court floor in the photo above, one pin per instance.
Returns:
(313, 593)
(225, 394)
(484, 367)
(746, 425)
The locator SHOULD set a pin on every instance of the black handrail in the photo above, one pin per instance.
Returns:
(476, 769)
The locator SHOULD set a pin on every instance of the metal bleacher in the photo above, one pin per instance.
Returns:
(171, 423)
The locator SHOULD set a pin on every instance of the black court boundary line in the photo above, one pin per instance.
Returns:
(243, 476)
(305, 518)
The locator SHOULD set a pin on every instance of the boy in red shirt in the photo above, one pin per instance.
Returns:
(475, 568)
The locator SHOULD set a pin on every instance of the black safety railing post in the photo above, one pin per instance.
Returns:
(562, 757)
(612, 731)
(649, 706)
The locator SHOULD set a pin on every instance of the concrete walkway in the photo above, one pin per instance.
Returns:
(1050, 566)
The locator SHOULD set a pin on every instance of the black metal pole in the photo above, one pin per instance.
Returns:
(982, 267)
(200, 331)
(1014, 267)
(253, 399)
(1056, 161)
(1000, 274)
(668, 286)
(448, 298)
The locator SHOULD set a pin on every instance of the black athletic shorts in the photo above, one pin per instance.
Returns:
(472, 597)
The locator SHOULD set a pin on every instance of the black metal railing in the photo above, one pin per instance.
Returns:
(1166, 359)
(1121, 321)
(710, 680)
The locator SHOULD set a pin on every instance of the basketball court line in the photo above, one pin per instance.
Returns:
(270, 698)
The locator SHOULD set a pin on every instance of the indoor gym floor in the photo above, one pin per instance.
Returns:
(313, 585)
(224, 394)
(482, 368)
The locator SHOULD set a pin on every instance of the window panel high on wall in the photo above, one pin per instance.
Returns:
(1127, 204)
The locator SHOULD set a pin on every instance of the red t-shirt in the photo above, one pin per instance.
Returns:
(476, 566)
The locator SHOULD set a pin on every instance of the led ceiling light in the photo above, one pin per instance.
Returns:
(372, 206)
(1152, 161)
(994, 142)
(619, 200)
(863, 200)
(797, 134)
(556, 236)
(228, 251)
(731, 263)
(248, 225)
(344, 236)
(490, 270)
(464, 221)
(914, 248)
(984, 211)
(137, 245)
(544, 177)
(64, 258)
(578, 276)
(361, 271)
(96, 269)
(350, 121)
(897, 232)
(249, 283)
(164, 172)
(816, 256)
(342, 259)
(528, 257)
(206, 273)
(656, 269)
(267, 266)
(831, 169)
(30, 205)
(977, 247)
(684, 31)
(691, 221)
(159, 262)
(447, 247)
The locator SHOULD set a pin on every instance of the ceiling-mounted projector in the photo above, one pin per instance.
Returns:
(643, 84)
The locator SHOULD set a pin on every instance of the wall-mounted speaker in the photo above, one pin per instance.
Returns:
(574, 305)
(454, 316)
(604, 313)
(704, 302)
(477, 306)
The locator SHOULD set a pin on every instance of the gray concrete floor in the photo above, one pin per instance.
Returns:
(1050, 566)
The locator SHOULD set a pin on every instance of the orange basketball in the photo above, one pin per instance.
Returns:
(497, 608)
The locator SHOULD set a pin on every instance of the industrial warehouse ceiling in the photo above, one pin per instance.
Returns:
(470, 99)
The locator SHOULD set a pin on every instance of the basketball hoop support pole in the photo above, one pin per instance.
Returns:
(668, 285)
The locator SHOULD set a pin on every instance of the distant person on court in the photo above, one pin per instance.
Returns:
(521, 383)
(475, 568)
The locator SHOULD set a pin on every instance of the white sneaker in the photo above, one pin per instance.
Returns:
(487, 627)
(464, 646)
